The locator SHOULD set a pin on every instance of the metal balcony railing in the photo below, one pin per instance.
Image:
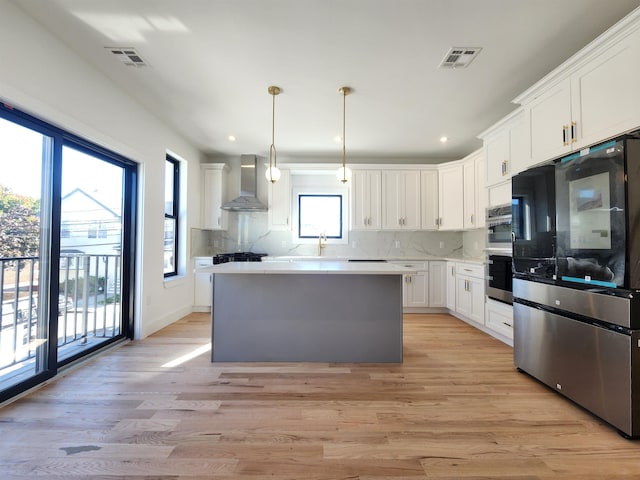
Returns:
(88, 305)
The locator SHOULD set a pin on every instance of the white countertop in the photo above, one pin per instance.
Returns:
(309, 266)
(295, 258)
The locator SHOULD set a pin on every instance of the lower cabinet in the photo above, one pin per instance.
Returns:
(437, 284)
(499, 318)
(470, 297)
(424, 291)
(202, 292)
(468, 291)
(451, 285)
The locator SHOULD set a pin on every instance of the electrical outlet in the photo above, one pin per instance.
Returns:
(441, 244)
(354, 244)
(397, 243)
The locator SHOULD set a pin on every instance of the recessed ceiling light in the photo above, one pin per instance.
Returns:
(337, 139)
(443, 139)
(231, 138)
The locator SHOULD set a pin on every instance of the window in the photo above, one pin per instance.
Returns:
(319, 215)
(171, 209)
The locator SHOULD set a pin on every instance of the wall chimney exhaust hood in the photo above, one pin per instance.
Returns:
(247, 201)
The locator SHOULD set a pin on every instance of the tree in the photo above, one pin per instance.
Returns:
(19, 224)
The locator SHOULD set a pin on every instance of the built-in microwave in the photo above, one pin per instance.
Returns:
(499, 228)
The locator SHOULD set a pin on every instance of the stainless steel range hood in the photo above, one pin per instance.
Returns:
(247, 201)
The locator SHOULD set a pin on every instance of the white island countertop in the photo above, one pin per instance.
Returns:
(308, 266)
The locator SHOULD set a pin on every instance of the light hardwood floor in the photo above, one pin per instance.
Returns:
(455, 409)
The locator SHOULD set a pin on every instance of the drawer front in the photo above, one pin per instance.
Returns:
(499, 318)
(470, 270)
(417, 266)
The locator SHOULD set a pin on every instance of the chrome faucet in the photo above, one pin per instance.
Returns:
(322, 242)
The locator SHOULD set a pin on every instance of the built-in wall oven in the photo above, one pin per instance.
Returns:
(499, 228)
(499, 277)
(498, 253)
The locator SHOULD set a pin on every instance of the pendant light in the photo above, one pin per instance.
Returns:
(344, 173)
(273, 173)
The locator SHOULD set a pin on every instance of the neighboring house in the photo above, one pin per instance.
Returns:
(89, 226)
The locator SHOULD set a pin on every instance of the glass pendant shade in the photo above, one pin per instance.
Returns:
(344, 174)
(272, 174)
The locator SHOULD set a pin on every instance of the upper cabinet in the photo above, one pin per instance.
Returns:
(429, 203)
(213, 196)
(450, 191)
(366, 203)
(505, 148)
(401, 200)
(591, 97)
(474, 192)
(279, 204)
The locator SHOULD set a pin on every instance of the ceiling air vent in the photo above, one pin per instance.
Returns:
(459, 57)
(128, 56)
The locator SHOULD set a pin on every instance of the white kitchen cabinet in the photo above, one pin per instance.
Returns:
(401, 200)
(415, 286)
(450, 194)
(202, 292)
(214, 183)
(451, 286)
(473, 191)
(279, 202)
(366, 204)
(470, 292)
(505, 147)
(429, 203)
(499, 194)
(437, 284)
(499, 318)
(589, 98)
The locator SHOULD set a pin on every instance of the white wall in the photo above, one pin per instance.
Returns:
(40, 75)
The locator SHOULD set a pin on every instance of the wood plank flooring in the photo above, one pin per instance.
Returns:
(454, 409)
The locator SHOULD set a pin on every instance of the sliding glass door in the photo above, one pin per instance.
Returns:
(24, 247)
(91, 234)
(66, 249)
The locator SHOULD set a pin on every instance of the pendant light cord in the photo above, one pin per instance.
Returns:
(272, 147)
(344, 149)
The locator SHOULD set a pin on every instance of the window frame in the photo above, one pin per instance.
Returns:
(319, 189)
(174, 216)
(339, 196)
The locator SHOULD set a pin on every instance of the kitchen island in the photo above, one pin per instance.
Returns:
(325, 311)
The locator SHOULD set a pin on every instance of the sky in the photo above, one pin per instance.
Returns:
(21, 167)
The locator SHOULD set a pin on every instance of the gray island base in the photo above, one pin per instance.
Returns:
(310, 316)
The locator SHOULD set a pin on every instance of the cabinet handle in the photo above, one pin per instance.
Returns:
(441, 222)
(453, 271)
(507, 324)
(564, 135)
(504, 168)
(472, 220)
(287, 220)
(218, 220)
(574, 136)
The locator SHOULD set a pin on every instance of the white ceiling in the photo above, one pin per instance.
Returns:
(211, 61)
